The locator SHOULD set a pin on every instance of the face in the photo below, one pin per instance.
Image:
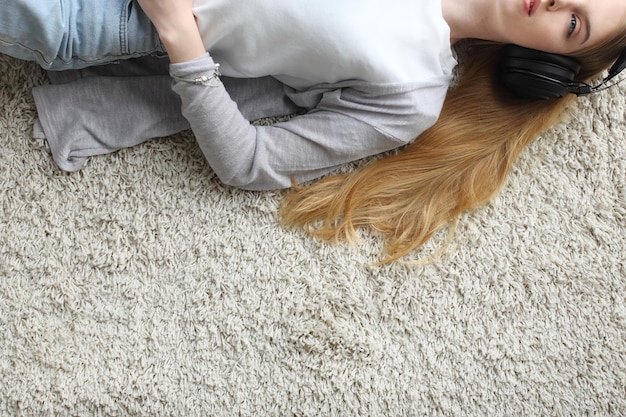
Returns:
(559, 26)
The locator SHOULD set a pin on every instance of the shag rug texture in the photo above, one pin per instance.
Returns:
(141, 286)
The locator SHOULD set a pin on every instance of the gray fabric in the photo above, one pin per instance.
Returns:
(133, 113)
(102, 109)
(343, 122)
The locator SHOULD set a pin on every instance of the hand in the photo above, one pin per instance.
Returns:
(176, 25)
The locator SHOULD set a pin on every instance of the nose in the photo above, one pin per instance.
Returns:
(559, 4)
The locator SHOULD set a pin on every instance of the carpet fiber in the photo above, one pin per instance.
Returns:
(141, 286)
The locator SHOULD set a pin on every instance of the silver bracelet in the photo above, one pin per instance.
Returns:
(205, 80)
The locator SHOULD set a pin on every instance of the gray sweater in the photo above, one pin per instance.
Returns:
(100, 110)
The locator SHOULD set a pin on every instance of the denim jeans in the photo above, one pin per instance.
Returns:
(72, 34)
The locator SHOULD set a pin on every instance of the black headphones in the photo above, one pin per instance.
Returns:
(535, 74)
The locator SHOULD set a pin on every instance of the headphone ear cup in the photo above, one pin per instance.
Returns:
(535, 74)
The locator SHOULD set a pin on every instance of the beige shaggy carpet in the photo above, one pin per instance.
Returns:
(140, 286)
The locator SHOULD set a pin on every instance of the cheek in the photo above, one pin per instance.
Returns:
(549, 40)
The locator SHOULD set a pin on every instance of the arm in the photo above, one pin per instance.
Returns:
(344, 125)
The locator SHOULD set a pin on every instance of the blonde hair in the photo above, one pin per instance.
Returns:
(458, 164)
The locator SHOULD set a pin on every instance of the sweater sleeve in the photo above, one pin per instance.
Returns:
(345, 125)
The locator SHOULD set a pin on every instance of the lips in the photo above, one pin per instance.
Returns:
(532, 6)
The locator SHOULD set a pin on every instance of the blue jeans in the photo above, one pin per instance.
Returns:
(72, 34)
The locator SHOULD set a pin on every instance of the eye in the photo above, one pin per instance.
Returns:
(573, 22)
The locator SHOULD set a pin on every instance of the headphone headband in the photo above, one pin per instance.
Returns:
(535, 74)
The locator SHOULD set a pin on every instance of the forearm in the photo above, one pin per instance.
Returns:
(176, 25)
(182, 43)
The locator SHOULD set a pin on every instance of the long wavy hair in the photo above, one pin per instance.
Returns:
(458, 164)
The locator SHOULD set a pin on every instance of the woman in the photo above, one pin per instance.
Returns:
(368, 78)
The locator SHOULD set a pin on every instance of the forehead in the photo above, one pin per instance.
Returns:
(606, 19)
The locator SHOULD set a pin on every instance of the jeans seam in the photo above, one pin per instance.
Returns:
(46, 60)
(124, 16)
